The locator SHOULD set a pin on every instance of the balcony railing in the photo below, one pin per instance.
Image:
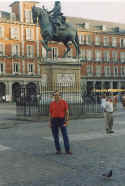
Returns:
(101, 44)
(105, 74)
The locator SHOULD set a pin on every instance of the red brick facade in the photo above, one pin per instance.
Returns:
(22, 50)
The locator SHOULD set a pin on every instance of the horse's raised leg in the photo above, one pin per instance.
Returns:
(45, 45)
(68, 49)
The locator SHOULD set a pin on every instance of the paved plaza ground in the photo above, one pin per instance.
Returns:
(27, 153)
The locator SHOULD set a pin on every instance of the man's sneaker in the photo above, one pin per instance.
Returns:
(70, 153)
(111, 132)
(58, 152)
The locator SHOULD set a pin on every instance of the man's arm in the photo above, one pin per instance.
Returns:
(66, 111)
(50, 125)
(67, 115)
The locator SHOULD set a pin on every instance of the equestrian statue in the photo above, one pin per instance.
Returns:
(53, 27)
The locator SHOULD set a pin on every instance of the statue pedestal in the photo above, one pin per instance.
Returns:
(62, 75)
(61, 71)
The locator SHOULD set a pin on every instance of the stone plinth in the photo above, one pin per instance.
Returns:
(61, 71)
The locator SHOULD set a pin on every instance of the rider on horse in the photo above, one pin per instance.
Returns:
(57, 17)
(54, 28)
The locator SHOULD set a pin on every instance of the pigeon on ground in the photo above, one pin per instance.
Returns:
(108, 174)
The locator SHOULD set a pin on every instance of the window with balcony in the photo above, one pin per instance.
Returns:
(55, 52)
(97, 40)
(114, 56)
(2, 49)
(114, 42)
(1, 32)
(30, 51)
(106, 56)
(30, 68)
(122, 57)
(29, 34)
(115, 71)
(2, 67)
(122, 71)
(16, 68)
(81, 39)
(98, 70)
(14, 33)
(89, 70)
(89, 55)
(15, 50)
(98, 56)
(28, 16)
(107, 71)
(106, 41)
(88, 39)
(122, 43)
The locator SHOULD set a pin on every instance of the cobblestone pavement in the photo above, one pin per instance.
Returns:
(27, 154)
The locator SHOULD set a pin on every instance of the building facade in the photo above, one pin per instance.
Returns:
(102, 46)
(103, 59)
(19, 49)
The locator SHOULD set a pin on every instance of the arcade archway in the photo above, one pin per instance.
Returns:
(15, 91)
(2, 90)
(31, 89)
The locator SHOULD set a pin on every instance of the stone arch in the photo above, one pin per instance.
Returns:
(31, 91)
(89, 87)
(31, 88)
(16, 88)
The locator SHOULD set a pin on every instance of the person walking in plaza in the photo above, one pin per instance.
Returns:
(3, 99)
(108, 115)
(59, 117)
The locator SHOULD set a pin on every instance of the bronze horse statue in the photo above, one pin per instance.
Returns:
(48, 32)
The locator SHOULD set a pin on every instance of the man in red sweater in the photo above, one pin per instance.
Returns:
(59, 116)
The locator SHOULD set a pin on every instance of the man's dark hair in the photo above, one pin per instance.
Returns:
(56, 92)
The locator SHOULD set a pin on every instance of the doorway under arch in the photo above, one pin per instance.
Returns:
(16, 88)
(31, 92)
(2, 90)
(31, 89)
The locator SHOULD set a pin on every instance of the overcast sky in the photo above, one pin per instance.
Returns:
(107, 10)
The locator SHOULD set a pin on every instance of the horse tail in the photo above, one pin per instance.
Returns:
(77, 41)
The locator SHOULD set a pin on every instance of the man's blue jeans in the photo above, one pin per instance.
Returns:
(58, 123)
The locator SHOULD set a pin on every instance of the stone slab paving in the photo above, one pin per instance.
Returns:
(27, 155)
(90, 136)
(3, 148)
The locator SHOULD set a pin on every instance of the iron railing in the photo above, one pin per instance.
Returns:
(29, 101)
